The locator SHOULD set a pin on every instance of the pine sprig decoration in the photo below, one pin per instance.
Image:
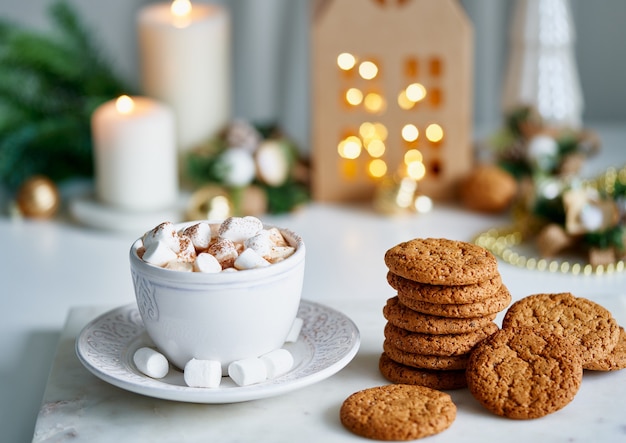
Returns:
(49, 86)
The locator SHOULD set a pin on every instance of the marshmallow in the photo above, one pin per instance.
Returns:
(277, 362)
(249, 259)
(179, 266)
(159, 253)
(215, 229)
(165, 233)
(200, 235)
(277, 238)
(206, 263)
(224, 251)
(151, 363)
(187, 251)
(278, 253)
(247, 371)
(202, 373)
(294, 332)
(260, 243)
(226, 242)
(238, 229)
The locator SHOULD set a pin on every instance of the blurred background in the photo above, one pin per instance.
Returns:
(271, 54)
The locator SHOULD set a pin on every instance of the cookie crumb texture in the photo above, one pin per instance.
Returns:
(397, 412)
(524, 373)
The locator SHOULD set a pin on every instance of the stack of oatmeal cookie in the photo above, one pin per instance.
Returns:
(448, 295)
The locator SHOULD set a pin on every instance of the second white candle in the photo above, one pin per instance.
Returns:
(136, 162)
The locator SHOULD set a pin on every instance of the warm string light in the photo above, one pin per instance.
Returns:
(502, 243)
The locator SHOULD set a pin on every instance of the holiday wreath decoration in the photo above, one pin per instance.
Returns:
(250, 169)
(528, 146)
(561, 222)
(566, 225)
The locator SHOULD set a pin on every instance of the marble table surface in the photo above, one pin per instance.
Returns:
(78, 407)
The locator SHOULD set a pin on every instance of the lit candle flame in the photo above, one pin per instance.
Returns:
(124, 104)
(181, 8)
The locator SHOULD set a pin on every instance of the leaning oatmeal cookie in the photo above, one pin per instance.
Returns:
(591, 327)
(397, 412)
(524, 373)
(440, 261)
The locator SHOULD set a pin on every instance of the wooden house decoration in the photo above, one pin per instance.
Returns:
(391, 94)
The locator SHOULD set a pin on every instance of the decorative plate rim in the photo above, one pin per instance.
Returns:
(328, 341)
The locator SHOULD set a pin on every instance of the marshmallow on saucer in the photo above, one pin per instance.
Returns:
(277, 362)
(203, 373)
(247, 371)
(150, 362)
(294, 332)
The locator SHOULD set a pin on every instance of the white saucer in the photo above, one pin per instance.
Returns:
(328, 341)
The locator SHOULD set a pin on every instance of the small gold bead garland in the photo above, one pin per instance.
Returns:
(501, 242)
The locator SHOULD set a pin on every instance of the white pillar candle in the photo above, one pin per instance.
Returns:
(185, 62)
(135, 155)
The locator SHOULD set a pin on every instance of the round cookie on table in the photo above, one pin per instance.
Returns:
(397, 412)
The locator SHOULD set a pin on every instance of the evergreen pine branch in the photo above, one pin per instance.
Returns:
(49, 86)
(44, 146)
(32, 93)
(39, 52)
(100, 79)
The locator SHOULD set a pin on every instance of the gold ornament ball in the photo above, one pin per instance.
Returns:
(210, 203)
(38, 197)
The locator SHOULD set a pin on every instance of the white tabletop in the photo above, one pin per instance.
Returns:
(50, 267)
